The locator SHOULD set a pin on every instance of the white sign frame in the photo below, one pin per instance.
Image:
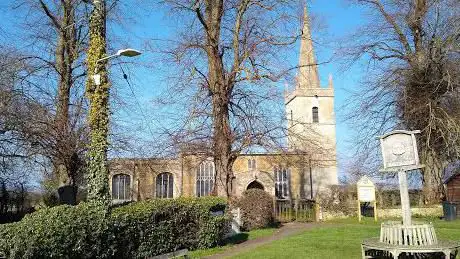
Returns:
(366, 190)
(399, 145)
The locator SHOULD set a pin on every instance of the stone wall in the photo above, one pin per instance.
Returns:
(143, 173)
(434, 211)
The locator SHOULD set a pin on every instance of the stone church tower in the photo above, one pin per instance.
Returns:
(311, 117)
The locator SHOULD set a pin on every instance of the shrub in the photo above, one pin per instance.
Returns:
(137, 230)
(59, 232)
(256, 209)
(7, 232)
(159, 226)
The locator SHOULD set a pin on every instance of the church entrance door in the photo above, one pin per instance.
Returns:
(255, 185)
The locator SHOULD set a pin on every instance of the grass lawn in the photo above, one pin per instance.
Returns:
(233, 241)
(337, 239)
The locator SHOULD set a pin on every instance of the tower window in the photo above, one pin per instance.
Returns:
(251, 164)
(315, 114)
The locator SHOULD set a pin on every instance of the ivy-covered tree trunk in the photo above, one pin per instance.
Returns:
(98, 119)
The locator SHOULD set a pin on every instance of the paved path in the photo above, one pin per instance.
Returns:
(287, 229)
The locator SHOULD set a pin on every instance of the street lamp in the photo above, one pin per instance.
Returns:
(121, 52)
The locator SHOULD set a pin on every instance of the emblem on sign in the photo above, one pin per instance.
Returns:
(399, 149)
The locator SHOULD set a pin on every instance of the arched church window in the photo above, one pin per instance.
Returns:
(121, 187)
(164, 185)
(282, 179)
(205, 178)
(315, 114)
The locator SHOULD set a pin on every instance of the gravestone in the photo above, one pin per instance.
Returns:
(67, 195)
(236, 223)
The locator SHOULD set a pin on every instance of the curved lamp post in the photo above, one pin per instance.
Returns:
(121, 52)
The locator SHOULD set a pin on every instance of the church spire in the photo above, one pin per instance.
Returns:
(308, 71)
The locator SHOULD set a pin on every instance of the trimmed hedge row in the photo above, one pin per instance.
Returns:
(160, 226)
(136, 230)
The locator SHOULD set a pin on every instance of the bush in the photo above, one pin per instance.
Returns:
(153, 227)
(7, 232)
(256, 209)
(136, 230)
(59, 232)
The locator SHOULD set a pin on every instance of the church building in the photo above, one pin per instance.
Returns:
(308, 169)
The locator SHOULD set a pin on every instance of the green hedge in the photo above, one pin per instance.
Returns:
(136, 230)
(159, 226)
(58, 232)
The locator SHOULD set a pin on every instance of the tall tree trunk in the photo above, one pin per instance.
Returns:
(98, 95)
(433, 188)
(62, 110)
(222, 145)
(432, 173)
(221, 91)
(66, 54)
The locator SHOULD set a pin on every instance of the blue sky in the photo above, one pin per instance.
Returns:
(338, 19)
(143, 23)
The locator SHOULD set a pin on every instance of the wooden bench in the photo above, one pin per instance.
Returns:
(178, 253)
(447, 248)
(417, 234)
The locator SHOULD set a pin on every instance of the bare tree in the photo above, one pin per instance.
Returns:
(53, 39)
(70, 44)
(16, 154)
(412, 81)
(230, 56)
(54, 54)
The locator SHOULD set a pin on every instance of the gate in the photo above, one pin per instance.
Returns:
(295, 210)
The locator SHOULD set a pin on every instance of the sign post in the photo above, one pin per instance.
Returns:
(399, 152)
(366, 193)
